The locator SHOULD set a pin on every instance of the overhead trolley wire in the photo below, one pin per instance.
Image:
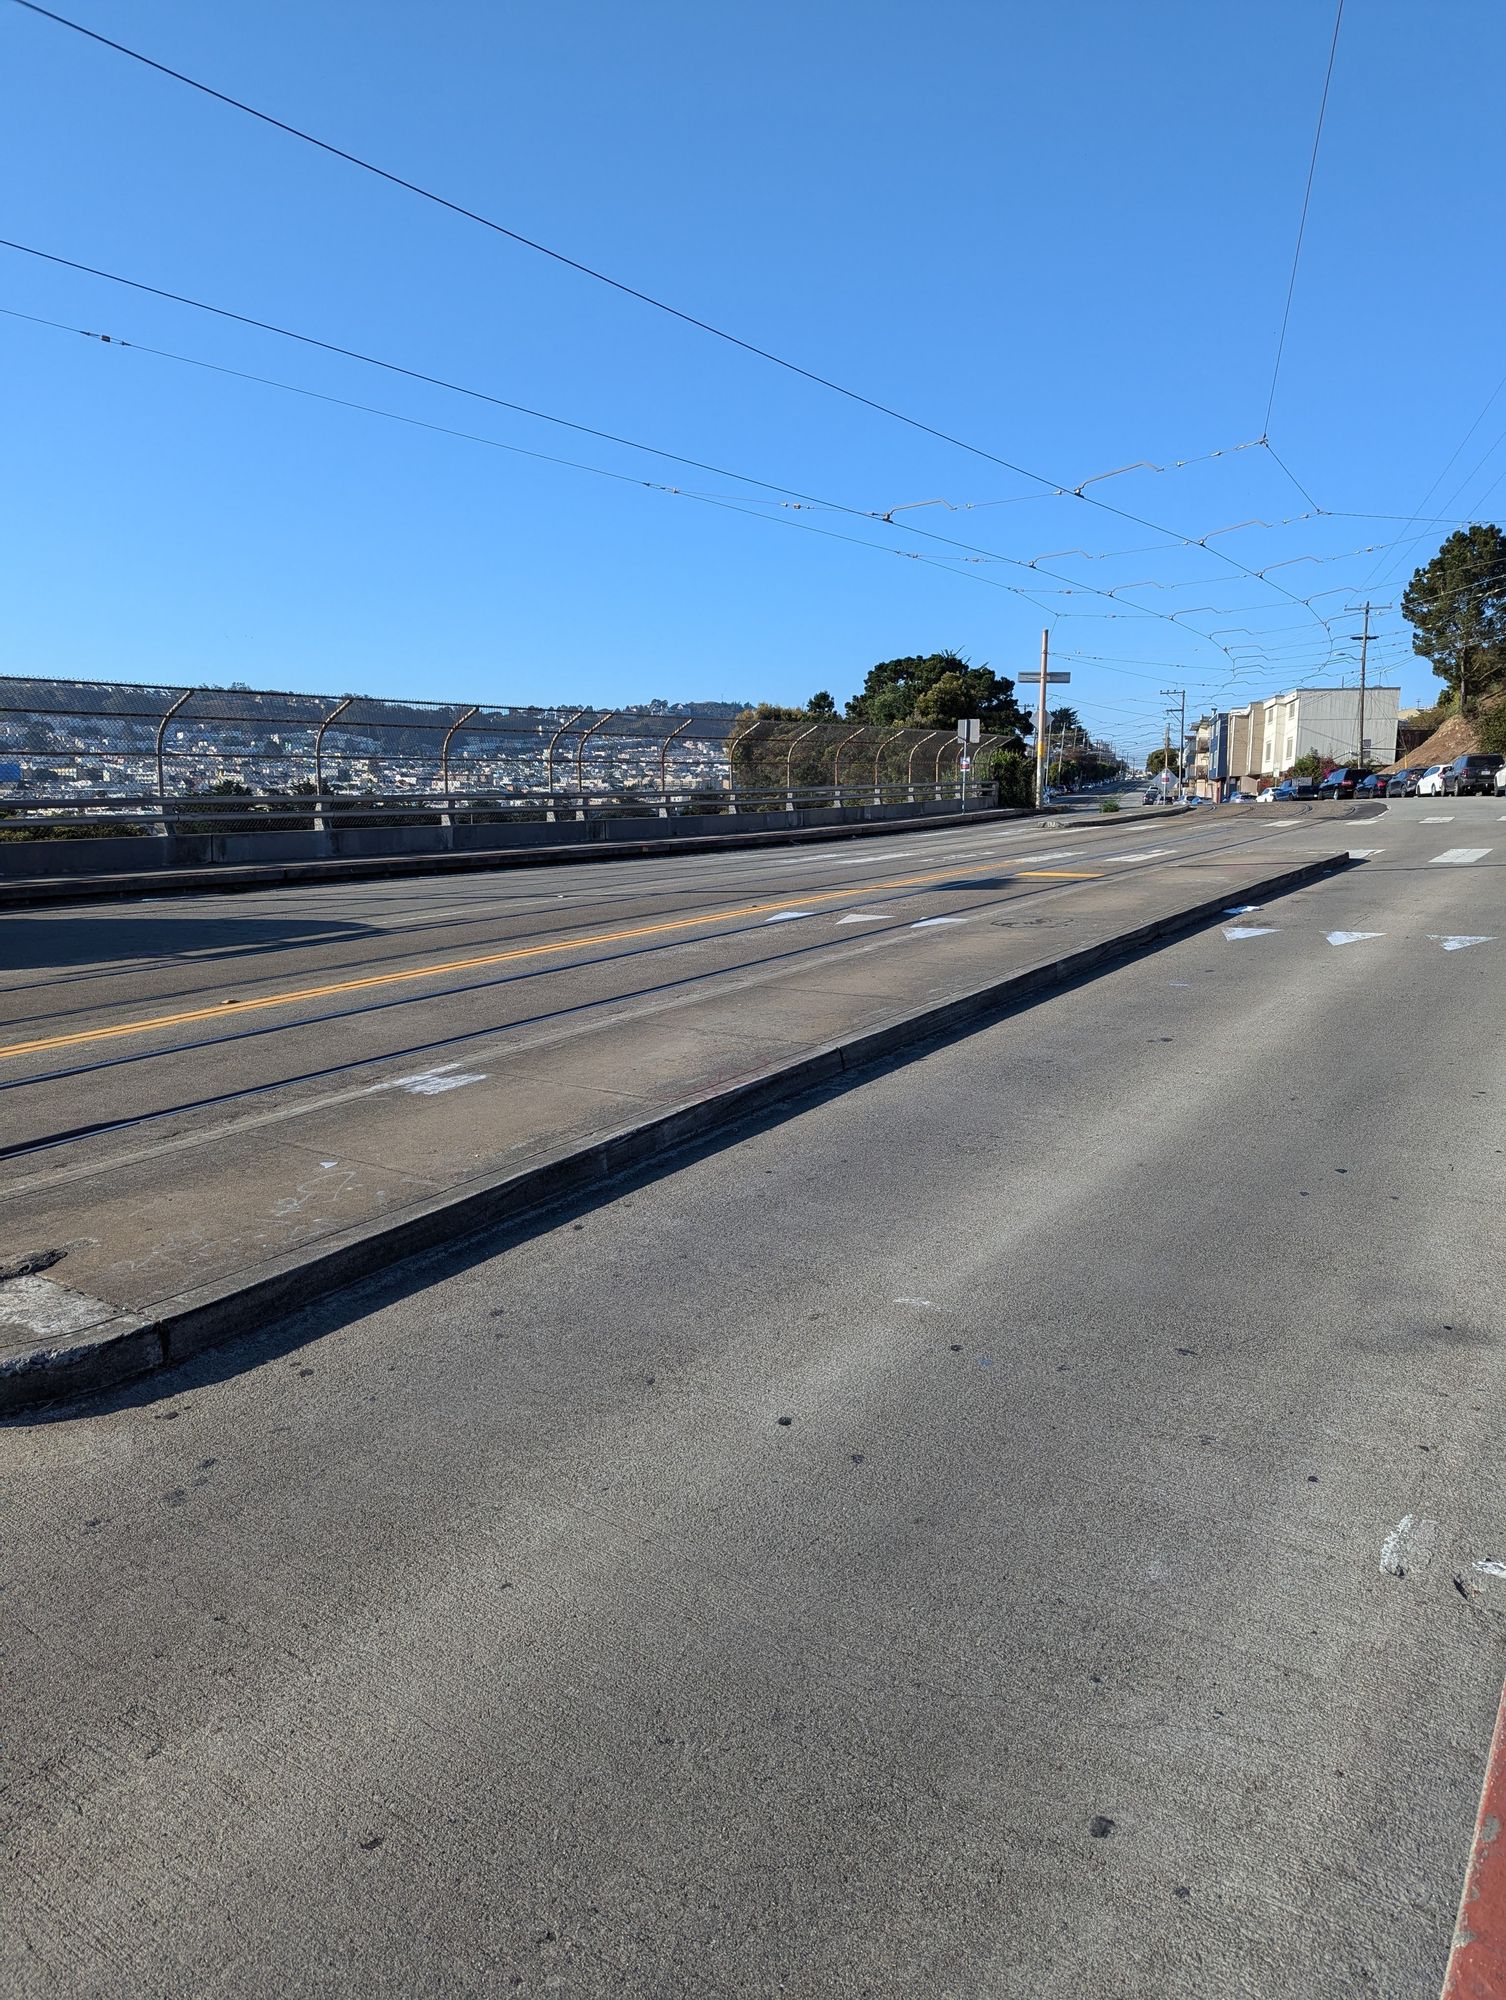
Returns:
(617, 284)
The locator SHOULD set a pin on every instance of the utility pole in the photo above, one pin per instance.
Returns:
(1040, 724)
(1181, 740)
(1364, 639)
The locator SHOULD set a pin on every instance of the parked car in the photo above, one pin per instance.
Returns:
(1501, 779)
(1402, 784)
(1265, 795)
(1472, 773)
(1430, 784)
(1294, 788)
(1341, 783)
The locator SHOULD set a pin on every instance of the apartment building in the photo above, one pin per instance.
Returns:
(1265, 738)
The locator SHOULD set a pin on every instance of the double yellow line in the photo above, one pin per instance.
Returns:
(216, 1012)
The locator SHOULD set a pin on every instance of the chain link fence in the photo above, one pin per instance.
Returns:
(97, 757)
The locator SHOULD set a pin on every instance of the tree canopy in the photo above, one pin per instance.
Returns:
(1159, 760)
(937, 690)
(821, 707)
(1456, 606)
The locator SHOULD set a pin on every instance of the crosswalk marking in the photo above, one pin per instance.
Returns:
(1458, 857)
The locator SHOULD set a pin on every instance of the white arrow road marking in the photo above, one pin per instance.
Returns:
(1250, 930)
(787, 917)
(926, 922)
(1242, 910)
(864, 917)
(1458, 943)
(1352, 937)
(1439, 819)
(1458, 857)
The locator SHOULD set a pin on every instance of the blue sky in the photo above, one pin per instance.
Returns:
(1062, 233)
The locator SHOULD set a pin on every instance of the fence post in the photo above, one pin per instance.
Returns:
(444, 760)
(161, 773)
(789, 765)
(836, 762)
(580, 759)
(320, 823)
(877, 794)
(923, 738)
(664, 765)
(568, 723)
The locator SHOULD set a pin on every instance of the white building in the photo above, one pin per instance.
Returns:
(1266, 738)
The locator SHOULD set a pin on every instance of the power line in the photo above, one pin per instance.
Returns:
(1307, 195)
(617, 284)
(701, 465)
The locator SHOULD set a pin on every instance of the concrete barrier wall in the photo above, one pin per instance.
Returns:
(143, 854)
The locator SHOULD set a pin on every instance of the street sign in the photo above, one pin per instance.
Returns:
(964, 763)
(969, 730)
(1054, 676)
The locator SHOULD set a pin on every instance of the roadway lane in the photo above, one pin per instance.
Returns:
(211, 1086)
(493, 1633)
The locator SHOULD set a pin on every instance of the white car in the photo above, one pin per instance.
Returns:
(1430, 784)
(1501, 780)
(1265, 795)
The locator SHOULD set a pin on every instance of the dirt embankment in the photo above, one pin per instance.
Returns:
(1455, 736)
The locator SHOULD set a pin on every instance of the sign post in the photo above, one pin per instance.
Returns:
(969, 730)
(1040, 719)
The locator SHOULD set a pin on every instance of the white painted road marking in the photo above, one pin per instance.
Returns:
(1250, 930)
(864, 917)
(1408, 1546)
(1491, 1568)
(1458, 943)
(1241, 909)
(1283, 822)
(926, 922)
(787, 917)
(1458, 857)
(1352, 937)
(1364, 853)
(862, 860)
(432, 1082)
(1439, 819)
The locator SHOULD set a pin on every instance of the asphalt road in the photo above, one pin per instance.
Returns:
(196, 1090)
(493, 1633)
(145, 1005)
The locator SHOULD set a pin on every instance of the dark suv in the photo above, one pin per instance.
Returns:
(1471, 774)
(1340, 784)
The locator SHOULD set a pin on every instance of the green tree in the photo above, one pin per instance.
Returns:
(893, 691)
(821, 707)
(1491, 733)
(1063, 719)
(1311, 764)
(1160, 760)
(1456, 606)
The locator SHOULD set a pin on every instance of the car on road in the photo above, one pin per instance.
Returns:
(1501, 779)
(1430, 784)
(1265, 795)
(1341, 783)
(1294, 788)
(1474, 772)
(1402, 784)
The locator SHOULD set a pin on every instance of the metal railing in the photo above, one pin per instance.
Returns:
(174, 755)
(128, 814)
